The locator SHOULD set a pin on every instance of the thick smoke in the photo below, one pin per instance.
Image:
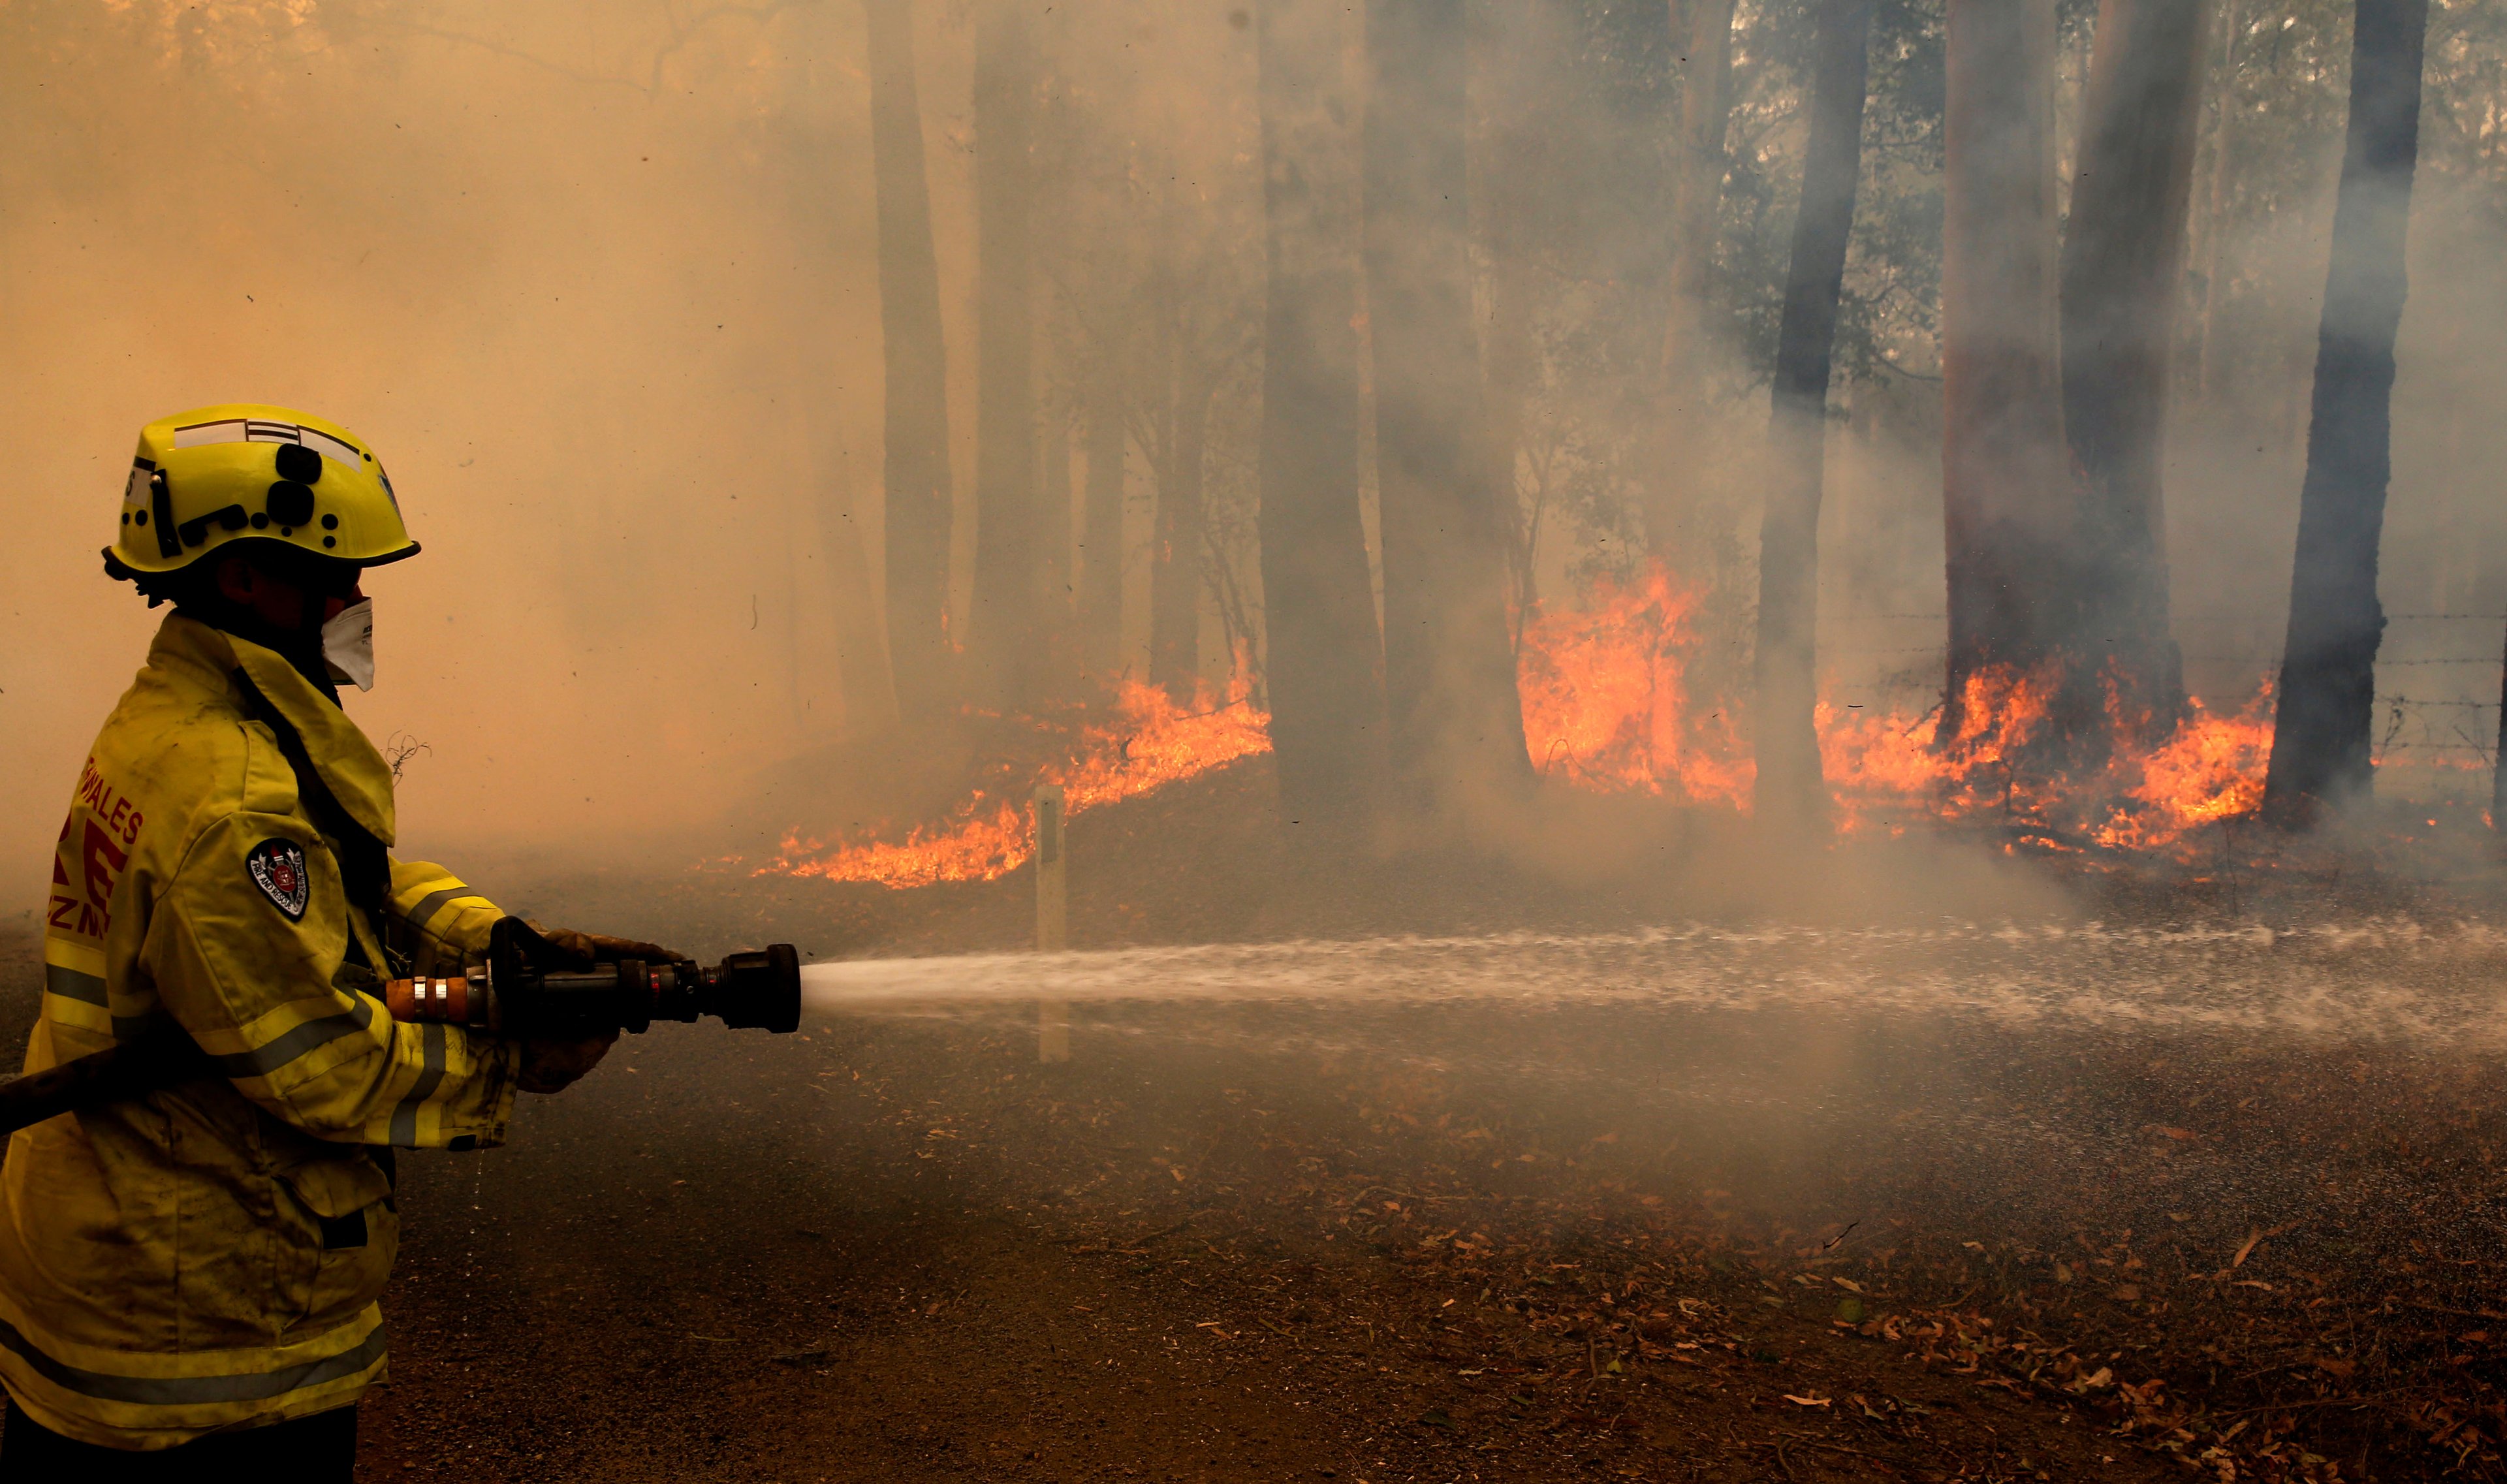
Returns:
(600, 294)
(601, 286)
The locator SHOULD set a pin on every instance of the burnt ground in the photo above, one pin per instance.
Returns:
(833, 1276)
(1282, 1241)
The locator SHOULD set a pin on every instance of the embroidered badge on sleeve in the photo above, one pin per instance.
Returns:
(277, 868)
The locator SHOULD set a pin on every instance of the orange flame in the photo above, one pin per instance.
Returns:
(2209, 769)
(1886, 767)
(1606, 700)
(1976, 770)
(1150, 741)
(1607, 706)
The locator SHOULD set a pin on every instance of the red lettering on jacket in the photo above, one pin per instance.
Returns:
(57, 911)
(104, 862)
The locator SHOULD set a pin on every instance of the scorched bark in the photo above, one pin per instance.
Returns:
(916, 436)
(2004, 484)
(1002, 606)
(2124, 263)
(1455, 721)
(2328, 676)
(1321, 646)
(1790, 791)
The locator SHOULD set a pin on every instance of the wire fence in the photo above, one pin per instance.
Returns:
(2238, 615)
(2437, 727)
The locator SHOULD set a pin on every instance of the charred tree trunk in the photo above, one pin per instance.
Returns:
(1001, 613)
(2215, 205)
(870, 684)
(1697, 193)
(1512, 368)
(2498, 763)
(1456, 720)
(2328, 675)
(2005, 481)
(917, 424)
(1322, 648)
(1175, 564)
(1700, 165)
(1790, 791)
(1100, 527)
(1510, 174)
(1056, 593)
(2123, 268)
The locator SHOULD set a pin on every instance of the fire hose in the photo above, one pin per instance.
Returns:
(515, 994)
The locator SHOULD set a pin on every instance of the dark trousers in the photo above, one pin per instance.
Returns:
(320, 1449)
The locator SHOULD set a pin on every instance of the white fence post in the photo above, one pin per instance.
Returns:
(1052, 920)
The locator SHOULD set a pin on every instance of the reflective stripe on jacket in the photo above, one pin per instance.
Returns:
(209, 1257)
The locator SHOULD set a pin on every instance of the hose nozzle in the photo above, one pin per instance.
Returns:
(508, 995)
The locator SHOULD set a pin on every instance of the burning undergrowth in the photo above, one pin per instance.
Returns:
(1991, 767)
(1608, 704)
(1611, 705)
(1133, 740)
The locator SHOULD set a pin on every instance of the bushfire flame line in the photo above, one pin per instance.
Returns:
(1147, 742)
(1610, 704)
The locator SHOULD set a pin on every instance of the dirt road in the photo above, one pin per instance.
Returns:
(737, 1261)
(1450, 1242)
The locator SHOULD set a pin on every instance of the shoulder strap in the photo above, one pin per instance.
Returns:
(365, 864)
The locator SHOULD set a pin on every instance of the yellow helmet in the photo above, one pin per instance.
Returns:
(243, 471)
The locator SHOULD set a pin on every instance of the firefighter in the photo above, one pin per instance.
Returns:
(189, 1279)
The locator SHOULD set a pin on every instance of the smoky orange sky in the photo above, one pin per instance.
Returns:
(603, 299)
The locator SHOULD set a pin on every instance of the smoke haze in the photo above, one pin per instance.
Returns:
(600, 285)
(603, 303)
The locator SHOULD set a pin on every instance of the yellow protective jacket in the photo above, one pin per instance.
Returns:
(209, 1257)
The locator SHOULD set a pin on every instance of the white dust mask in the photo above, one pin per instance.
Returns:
(348, 644)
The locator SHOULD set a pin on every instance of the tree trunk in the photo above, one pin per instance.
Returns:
(2328, 675)
(1175, 564)
(2215, 204)
(1321, 647)
(2498, 764)
(1791, 793)
(1000, 618)
(2124, 269)
(1101, 531)
(1697, 227)
(1698, 189)
(1056, 593)
(1513, 368)
(1456, 720)
(1510, 174)
(861, 660)
(915, 440)
(2004, 484)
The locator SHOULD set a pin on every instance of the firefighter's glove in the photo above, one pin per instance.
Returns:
(513, 944)
(599, 948)
(550, 1067)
